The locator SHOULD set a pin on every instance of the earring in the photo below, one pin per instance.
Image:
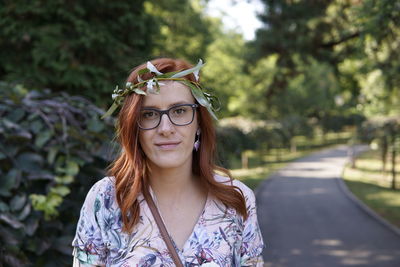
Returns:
(197, 143)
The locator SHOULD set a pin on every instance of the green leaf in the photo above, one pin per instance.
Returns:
(25, 212)
(8, 181)
(3, 207)
(188, 71)
(53, 201)
(95, 125)
(72, 168)
(143, 71)
(11, 221)
(60, 190)
(17, 202)
(31, 225)
(65, 179)
(37, 201)
(36, 126)
(47, 204)
(200, 97)
(110, 111)
(42, 138)
(51, 155)
(29, 162)
(16, 115)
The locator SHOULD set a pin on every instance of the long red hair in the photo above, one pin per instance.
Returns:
(130, 167)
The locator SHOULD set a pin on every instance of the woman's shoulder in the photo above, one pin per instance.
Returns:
(103, 185)
(247, 192)
(102, 193)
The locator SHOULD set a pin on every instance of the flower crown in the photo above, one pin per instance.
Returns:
(153, 86)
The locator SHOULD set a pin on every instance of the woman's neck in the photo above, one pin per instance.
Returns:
(172, 185)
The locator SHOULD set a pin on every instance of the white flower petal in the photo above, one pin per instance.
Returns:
(150, 86)
(152, 68)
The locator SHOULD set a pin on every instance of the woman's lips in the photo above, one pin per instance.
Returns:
(167, 145)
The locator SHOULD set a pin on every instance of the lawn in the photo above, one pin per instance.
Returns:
(262, 164)
(372, 186)
(266, 164)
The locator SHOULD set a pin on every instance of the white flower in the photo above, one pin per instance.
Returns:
(128, 84)
(113, 96)
(152, 87)
(210, 264)
(152, 68)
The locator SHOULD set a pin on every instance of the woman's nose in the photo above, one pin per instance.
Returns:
(166, 125)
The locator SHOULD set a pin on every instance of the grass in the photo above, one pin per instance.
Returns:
(261, 164)
(369, 184)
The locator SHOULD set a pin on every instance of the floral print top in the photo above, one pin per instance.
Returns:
(220, 237)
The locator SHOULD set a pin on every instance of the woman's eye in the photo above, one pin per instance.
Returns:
(148, 114)
(179, 111)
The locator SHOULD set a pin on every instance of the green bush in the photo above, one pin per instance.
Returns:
(231, 142)
(52, 149)
(336, 122)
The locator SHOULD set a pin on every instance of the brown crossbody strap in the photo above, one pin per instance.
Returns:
(161, 227)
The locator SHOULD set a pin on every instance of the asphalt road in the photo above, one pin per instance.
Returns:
(307, 219)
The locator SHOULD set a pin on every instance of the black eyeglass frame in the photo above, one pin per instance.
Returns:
(166, 111)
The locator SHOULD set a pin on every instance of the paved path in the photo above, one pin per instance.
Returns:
(308, 220)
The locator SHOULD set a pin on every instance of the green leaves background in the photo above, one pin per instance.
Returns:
(52, 149)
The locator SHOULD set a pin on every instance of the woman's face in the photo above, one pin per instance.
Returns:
(168, 146)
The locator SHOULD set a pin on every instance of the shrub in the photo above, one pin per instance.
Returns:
(231, 142)
(52, 149)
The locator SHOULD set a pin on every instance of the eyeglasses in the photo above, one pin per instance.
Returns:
(179, 115)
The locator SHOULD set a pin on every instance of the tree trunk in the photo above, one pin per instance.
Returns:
(245, 160)
(293, 147)
(384, 154)
(394, 162)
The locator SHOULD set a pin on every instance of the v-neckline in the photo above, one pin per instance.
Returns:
(199, 219)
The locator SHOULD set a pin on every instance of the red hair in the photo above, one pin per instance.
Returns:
(130, 167)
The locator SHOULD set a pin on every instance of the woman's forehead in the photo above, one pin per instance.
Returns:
(171, 92)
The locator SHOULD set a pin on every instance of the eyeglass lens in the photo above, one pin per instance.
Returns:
(179, 115)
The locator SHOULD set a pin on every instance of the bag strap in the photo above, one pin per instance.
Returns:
(161, 227)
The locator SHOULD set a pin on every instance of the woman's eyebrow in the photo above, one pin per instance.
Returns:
(170, 105)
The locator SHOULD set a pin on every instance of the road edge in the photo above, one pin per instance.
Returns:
(343, 187)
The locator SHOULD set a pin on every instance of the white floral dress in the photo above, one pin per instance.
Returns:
(220, 237)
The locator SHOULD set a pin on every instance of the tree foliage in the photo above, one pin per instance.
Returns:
(332, 57)
(84, 47)
(225, 73)
(184, 30)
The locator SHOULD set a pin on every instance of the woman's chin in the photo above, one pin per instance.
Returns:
(168, 163)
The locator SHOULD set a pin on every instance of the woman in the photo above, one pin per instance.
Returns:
(210, 219)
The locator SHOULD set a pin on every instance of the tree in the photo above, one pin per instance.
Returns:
(380, 49)
(82, 48)
(224, 73)
(365, 33)
(184, 29)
